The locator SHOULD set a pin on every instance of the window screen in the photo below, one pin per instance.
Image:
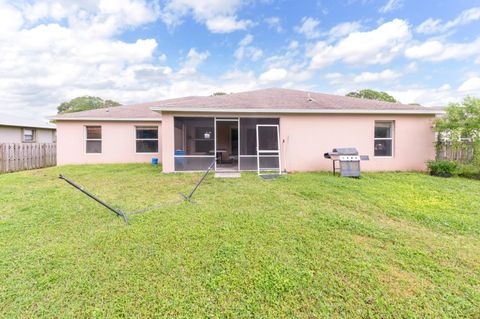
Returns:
(146, 139)
(93, 142)
(28, 135)
(383, 142)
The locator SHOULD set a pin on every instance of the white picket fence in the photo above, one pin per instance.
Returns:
(20, 157)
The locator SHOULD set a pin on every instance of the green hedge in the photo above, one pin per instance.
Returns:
(469, 171)
(442, 168)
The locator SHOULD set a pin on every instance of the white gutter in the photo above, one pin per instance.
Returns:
(106, 119)
(30, 126)
(296, 111)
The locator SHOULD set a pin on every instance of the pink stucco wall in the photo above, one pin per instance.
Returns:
(306, 137)
(118, 143)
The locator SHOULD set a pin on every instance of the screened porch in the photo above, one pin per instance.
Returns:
(233, 143)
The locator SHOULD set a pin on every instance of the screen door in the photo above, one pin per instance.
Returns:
(268, 149)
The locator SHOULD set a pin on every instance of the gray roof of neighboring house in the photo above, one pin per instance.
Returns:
(265, 100)
(7, 120)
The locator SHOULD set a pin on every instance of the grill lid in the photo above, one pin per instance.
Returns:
(345, 151)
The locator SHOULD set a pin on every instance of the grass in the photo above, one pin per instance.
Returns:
(389, 245)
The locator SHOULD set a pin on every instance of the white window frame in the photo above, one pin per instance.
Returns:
(92, 139)
(147, 139)
(391, 138)
(34, 135)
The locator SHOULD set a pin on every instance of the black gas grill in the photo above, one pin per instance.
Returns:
(348, 159)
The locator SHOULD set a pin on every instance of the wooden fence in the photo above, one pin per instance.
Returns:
(20, 157)
(463, 152)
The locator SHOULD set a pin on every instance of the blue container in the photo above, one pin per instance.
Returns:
(154, 161)
(180, 161)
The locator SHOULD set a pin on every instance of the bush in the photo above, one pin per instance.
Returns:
(469, 171)
(442, 168)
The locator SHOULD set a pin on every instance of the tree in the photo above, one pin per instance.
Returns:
(84, 103)
(373, 95)
(219, 93)
(462, 121)
(461, 125)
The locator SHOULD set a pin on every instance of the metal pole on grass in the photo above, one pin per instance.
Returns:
(189, 197)
(116, 211)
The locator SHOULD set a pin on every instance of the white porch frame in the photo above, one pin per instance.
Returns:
(268, 153)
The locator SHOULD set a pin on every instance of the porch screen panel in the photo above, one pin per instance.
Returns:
(248, 141)
(269, 162)
(268, 139)
(194, 143)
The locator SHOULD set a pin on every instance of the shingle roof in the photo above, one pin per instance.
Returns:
(124, 112)
(278, 99)
(265, 100)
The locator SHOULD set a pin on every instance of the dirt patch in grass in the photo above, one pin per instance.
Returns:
(403, 284)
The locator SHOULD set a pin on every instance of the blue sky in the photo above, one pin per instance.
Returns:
(135, 51)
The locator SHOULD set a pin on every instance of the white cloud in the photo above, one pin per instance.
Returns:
(162, 58)
(247, 51)
(273, 75)
(274, 23)
(431, 25)
(378, 46)
(391, 5)
(385, 75)
(353, 80)
(472, 85)
(226, 24)
(10, 19)
(412, 67)
(246, 40)
(344, 29)
(293, 45)
(309, 28)
(428, 96)
(424, 50)
(45, 63)
(434, 50)
(334, 78)
(194, 59)
(67, 49)
(218, 16)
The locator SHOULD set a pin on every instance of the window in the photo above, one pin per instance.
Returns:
(93, 141)
(383, 145)
(28, 135)
(147, 139)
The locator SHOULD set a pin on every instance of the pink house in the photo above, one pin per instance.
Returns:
(282, 129)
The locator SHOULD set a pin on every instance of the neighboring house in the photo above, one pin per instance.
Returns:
(18, 131)
(271, 127)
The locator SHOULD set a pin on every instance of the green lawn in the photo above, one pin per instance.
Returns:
(389, 245)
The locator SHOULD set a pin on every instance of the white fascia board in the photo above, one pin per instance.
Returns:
(30, 126)
(106, 119)
(297, 111)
